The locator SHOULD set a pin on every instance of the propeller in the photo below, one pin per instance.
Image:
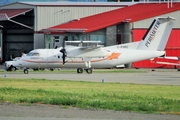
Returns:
(63, 51)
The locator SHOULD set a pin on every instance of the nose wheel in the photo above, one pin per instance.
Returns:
(26, 71)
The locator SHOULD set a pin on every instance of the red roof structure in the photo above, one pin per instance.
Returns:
(131, 13)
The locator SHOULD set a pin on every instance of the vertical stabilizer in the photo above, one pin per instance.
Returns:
(157, 35)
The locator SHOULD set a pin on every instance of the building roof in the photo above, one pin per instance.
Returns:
(66, 3)
(10, 13)
(131, 14)
(6, 16)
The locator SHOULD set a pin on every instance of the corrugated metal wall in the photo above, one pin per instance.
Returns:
(51, 16)
(172, 48)
(38, 40)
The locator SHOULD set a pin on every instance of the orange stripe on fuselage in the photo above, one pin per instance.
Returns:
(110, 57)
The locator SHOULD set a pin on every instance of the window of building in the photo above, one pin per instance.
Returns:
(77, 37)
(97, 38)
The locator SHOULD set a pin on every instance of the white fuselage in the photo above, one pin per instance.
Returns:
(52, 58)
(152, 45)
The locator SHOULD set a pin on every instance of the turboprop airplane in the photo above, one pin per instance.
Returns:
(152, 45)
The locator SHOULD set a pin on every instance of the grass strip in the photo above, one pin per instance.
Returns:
(112, 96)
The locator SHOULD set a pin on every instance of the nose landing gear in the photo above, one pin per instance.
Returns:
(26, 71)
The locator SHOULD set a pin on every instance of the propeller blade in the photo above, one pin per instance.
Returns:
(63, 51)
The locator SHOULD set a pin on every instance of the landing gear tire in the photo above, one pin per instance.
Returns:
(25, 71)
(51, 69)
(89, 71)
(79, 70)
(12, 68)
(35, 69)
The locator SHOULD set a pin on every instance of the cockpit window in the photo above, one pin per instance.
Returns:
(33, 54)
(29, 54)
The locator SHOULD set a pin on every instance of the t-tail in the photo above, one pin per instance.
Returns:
(157, 35)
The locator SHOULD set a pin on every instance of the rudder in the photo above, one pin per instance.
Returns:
(157, 35)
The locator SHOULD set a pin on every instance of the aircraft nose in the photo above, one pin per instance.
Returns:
(18, 63)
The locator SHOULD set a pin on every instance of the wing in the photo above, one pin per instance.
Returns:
(168, 63)
(167, 60)
(87, 52)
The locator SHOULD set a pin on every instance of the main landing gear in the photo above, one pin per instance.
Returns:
(26, 70)
(88, 70)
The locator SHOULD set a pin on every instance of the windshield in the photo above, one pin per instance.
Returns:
(16, 58)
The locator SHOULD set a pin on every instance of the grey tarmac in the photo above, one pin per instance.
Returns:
(54, 112)
(159, 76)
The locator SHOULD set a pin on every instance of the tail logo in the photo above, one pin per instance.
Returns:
(152, 33)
